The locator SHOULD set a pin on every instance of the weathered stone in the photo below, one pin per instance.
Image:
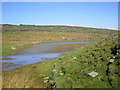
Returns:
(45, 81)
(46, 78)
(112, 60)
(13, 48)
(74, 58)
(93, 74)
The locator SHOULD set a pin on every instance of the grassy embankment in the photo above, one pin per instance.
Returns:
(13, 40)
(71, 70)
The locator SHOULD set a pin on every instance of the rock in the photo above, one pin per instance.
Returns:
(13, 48)
(81, 71)
(74, 58)
(46, 78)
(54, 70)
(45, 81)
(61, 73)
(114, 57)
(112, 60)
(35, 42)
(63, 37)
(93, 74)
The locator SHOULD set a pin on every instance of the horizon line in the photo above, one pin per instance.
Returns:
(63, 25)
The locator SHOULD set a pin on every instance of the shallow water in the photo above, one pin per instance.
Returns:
(38, 53)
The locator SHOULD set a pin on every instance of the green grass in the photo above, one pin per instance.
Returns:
(92, 57)
(69, 72)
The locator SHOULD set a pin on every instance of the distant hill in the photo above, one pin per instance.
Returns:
(54, 28)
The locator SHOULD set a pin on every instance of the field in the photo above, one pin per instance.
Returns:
(13, 40)
(71, 70)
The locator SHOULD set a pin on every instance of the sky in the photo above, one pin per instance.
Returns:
(60, 0)
(85, 14)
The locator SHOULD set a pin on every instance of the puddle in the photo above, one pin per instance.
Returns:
(38, 53)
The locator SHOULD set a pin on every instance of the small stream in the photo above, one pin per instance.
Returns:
(38, 53)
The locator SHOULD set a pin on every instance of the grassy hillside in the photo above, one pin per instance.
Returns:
(72, 70)
(58, 28)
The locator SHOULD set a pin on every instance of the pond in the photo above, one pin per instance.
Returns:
(38, 53)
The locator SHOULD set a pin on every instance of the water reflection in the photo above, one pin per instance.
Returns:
(38, 53)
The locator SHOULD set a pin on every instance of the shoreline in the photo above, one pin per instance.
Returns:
(39, 42)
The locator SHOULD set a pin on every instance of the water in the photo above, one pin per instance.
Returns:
(38, 53)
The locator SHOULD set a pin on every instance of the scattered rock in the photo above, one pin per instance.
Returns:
(61, 73)
(112, 60)
(63, 37)
(74, 58)
(93, 74)
(114, 57)
(81, 71)
(35, 42)
(54, 70)
(45, 81)
(69, 78)
(13, 48)
(46, 78)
